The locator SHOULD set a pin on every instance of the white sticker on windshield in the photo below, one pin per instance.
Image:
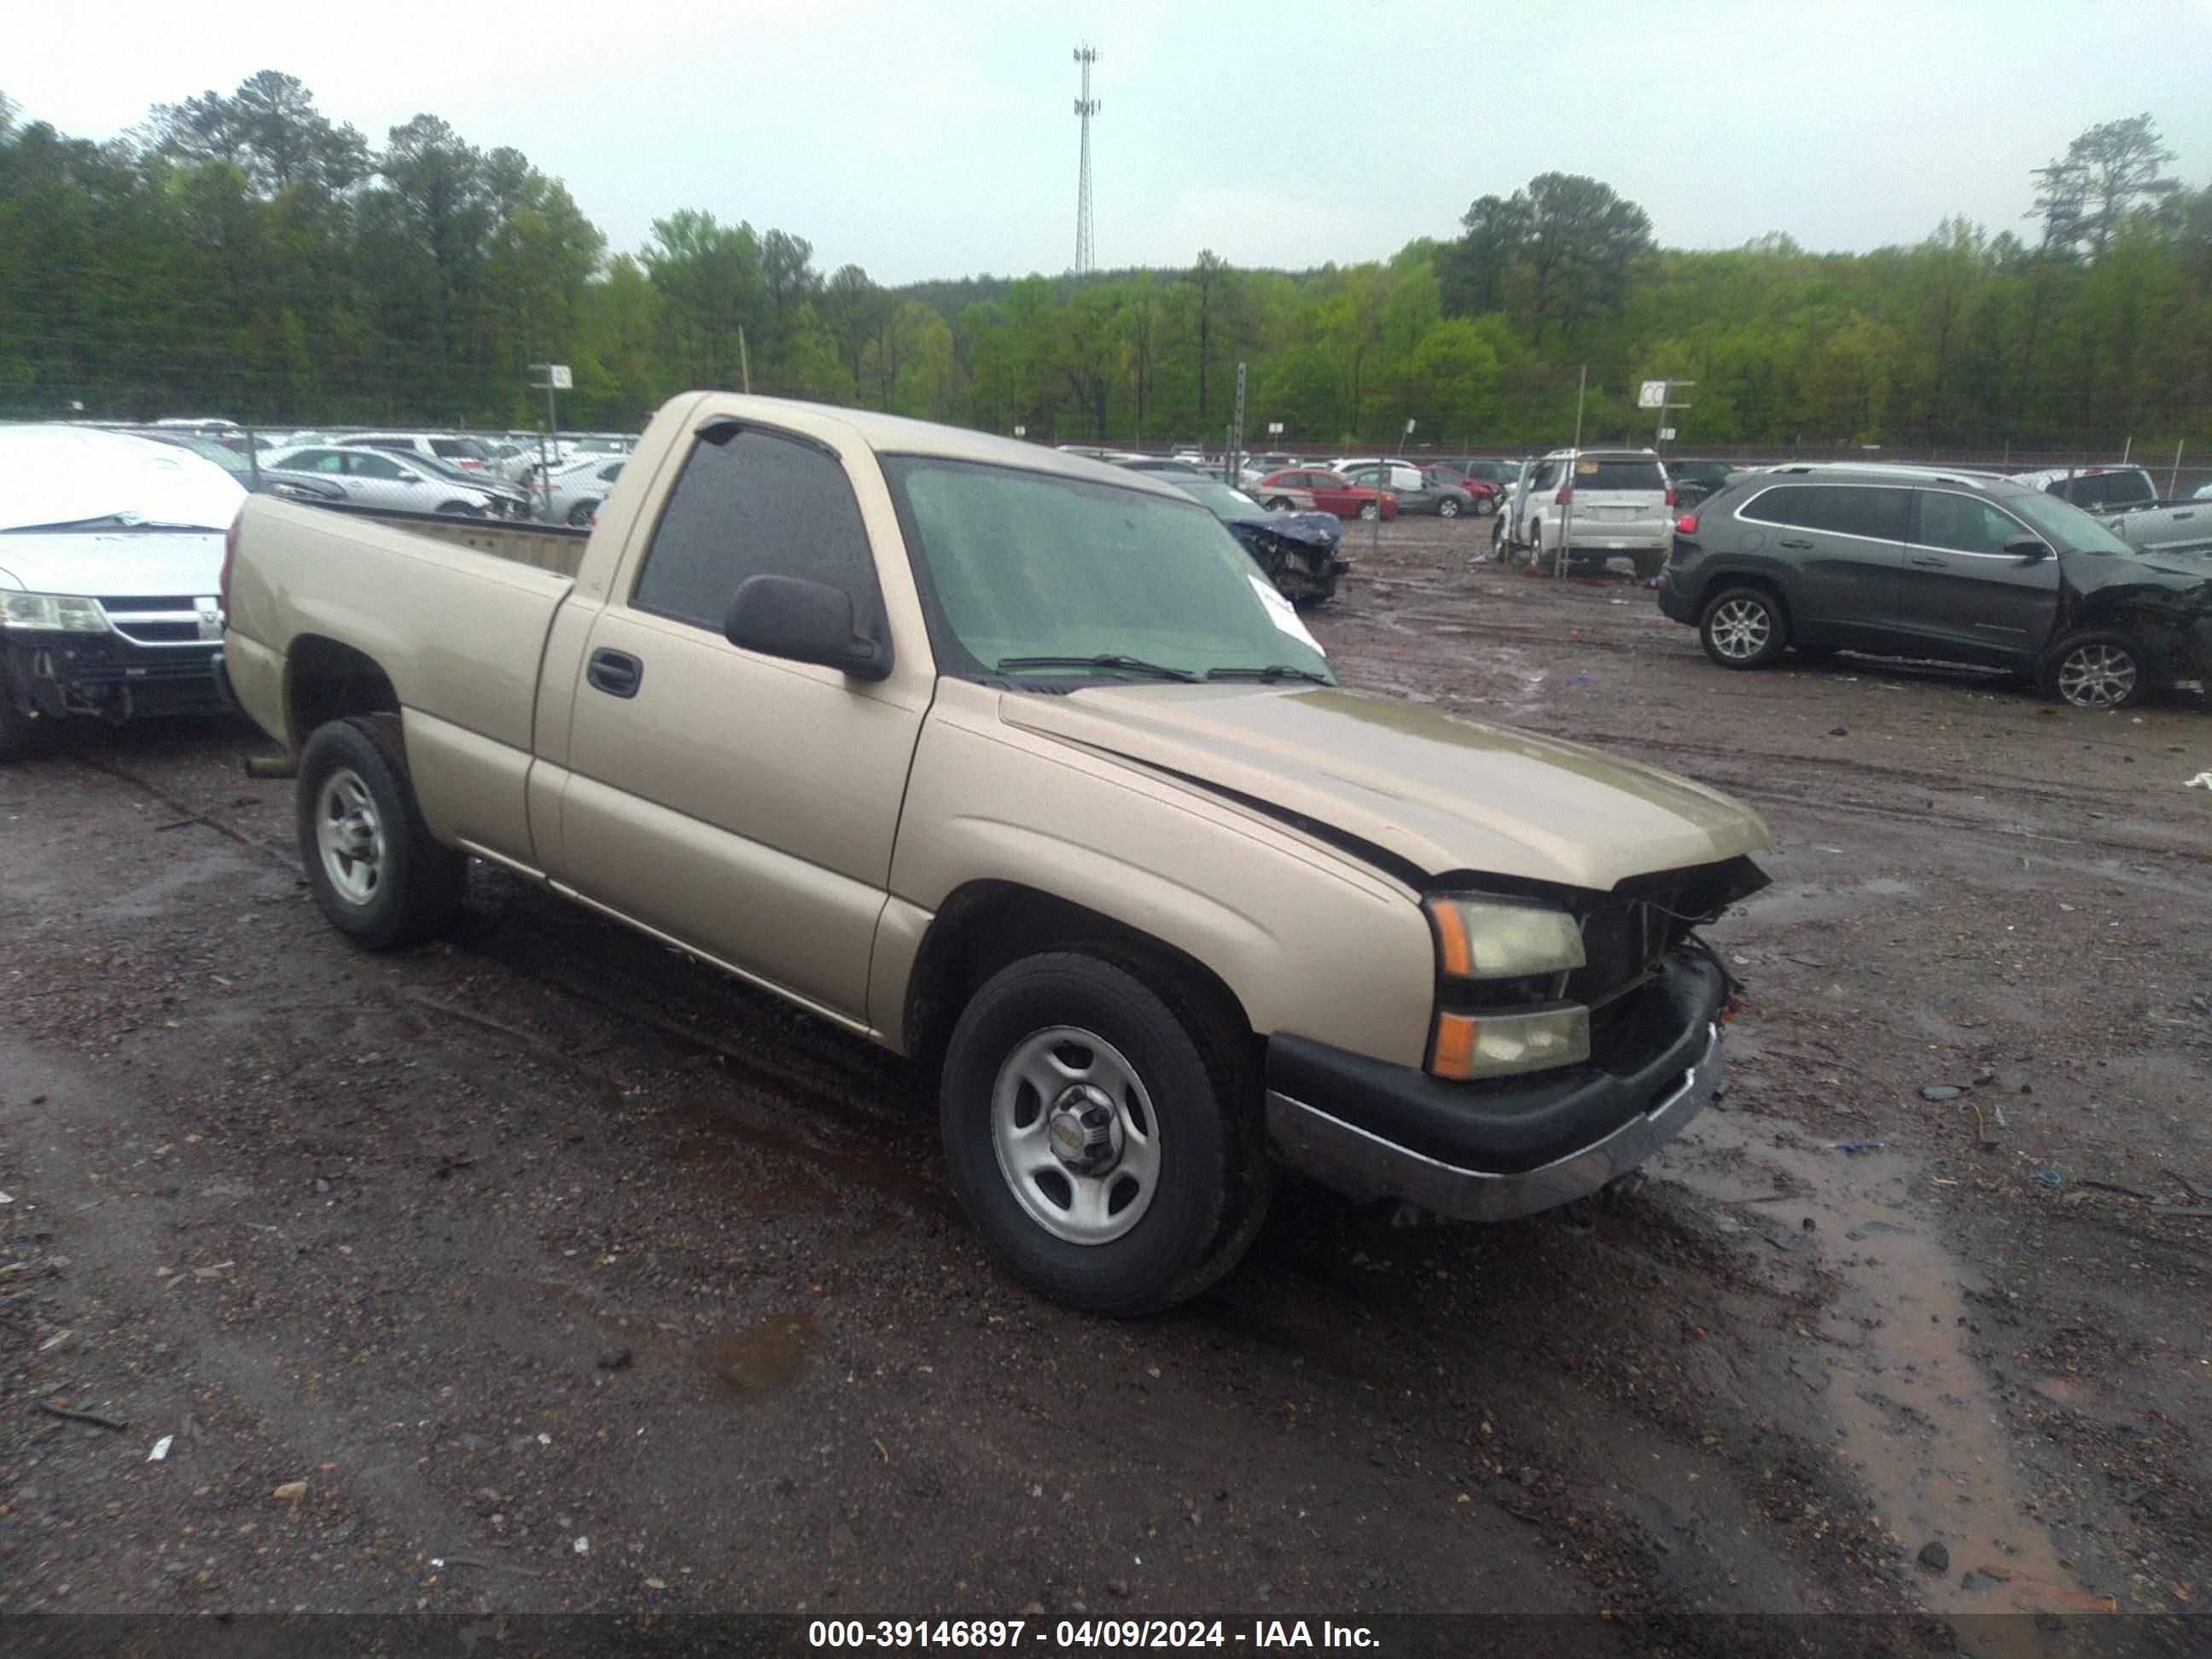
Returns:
(1284, 614)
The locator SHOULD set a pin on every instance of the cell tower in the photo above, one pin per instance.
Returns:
(1086, 257)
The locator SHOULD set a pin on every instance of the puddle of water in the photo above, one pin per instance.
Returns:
(751, 1361)
(1916, 1423)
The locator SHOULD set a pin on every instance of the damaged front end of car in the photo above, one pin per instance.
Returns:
(1298, 552)
(2160, 604)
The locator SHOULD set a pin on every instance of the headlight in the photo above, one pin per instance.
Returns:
(1493, 942)
(1502, 939)
(66, 612)
(1495, 1045)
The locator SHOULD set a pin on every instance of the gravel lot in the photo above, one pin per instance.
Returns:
(539, 1270)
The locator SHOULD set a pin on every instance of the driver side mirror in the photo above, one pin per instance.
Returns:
(802, 620)
(2030, 548)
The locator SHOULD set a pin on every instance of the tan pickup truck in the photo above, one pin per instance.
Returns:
(1013, 763)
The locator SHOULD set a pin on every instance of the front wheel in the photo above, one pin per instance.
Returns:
(580, 514)
(1743, 628)
(2094, 671)
(379, 876)
(1279, 504)
(1484, 506)
(1101, 1134)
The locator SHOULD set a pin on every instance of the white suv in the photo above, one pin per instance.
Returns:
(1605, 502)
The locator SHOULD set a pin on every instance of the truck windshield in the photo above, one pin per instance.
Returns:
(1027, 565)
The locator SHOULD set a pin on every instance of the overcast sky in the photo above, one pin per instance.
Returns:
(939, 140)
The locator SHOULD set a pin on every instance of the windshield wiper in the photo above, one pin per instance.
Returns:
(1108, 659)
(1274, 671)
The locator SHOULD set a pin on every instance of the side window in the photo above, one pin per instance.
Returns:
(1963, 524)
(320, 460)
(1877, 511)
(753, 503)
(1546, 475)
(369, 465)
(1791, 504)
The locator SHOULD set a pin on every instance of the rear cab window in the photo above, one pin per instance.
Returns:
(1876, 512)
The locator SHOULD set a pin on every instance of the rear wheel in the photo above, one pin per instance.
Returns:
(1370, 511)
(379, 876)
(1101, 1135)
(2095, 671)
(1448, 507)
(1484, 506)
(1743, 628)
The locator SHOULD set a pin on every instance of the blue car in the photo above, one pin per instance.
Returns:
(1297, 551)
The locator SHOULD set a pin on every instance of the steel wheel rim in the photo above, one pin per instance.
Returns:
(2097, 677)
(1076, 1138)
(349, 835)
(1741, 629)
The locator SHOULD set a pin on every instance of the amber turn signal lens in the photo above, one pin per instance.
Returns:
(1452, 940)
(1454, 1046)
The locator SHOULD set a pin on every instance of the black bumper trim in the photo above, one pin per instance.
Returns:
(1511, 1127)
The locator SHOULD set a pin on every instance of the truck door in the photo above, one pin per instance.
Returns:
(740, 804)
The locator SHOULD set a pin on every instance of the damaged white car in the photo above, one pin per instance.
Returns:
(111, 563)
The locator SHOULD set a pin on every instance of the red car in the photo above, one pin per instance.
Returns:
(1486, 494)
(1311, 489)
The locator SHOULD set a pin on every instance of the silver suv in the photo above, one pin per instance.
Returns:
(1601, 503)
(1922, 562)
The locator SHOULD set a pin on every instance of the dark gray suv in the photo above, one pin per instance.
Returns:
(1957, 566)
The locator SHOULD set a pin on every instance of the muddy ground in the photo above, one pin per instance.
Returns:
(541, 1270)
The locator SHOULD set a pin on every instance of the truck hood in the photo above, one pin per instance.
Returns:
(171, 563)
(1439, 793)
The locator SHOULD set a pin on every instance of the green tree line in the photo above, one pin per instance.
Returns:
(242, 253)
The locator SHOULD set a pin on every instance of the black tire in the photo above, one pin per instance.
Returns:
(1370, 511)
(21, 736)
(1743, 628)
(1534, 547)
(1314, 601)
(579, 516)
(459, 510)
(1279, 504)
(2098, 669)
(1484, 508)
(401, 886)
(1196, 1091)
(1448, 508)
(1649, 565)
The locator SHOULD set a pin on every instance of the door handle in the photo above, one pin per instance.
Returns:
(1801, 546)
(615, 673)
(1928, 563)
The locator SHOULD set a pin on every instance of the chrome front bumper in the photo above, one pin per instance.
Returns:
(1364, 1167)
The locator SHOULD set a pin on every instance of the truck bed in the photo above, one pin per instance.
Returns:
(549, 547)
